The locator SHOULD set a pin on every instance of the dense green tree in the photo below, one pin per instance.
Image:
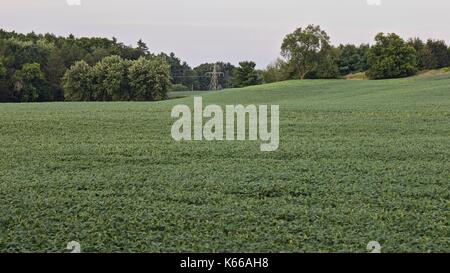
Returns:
(72, 52)
(273, 72)
(424, 56)
(97, 55)
(114, 79)
(111, 80)
(391, 57)
(2, 68)
(327, 67)
(280, 70)
(28, 82)
(4, 94)
(439, 51)
(448, 55)
(349, 59)
(78, 82)
(181, 73)
(149, 79)
(246, 75)
(54, 69)
(352, 59)
(20, 52)
(364, 53)
(305, 47)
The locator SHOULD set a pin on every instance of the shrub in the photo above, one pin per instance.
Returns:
(179, 88)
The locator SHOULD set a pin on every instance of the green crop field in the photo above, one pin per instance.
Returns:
(358, 161)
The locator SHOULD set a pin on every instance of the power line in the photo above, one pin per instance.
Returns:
(215, 74)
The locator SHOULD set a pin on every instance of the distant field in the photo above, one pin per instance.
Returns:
(359, 161)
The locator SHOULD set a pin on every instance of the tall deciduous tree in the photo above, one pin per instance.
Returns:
(303, 47)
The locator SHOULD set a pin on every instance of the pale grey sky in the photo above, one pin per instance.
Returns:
(230, 30)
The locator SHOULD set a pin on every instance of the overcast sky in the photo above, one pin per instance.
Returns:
(230, 30)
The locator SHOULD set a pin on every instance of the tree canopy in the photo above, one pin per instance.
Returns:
(391, 57)
(116, 79)
(247, 75)
(304, 48)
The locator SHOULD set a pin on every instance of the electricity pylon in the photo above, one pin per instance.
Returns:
(215, 74)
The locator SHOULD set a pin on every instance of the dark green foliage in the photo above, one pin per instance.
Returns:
(309, 54)
(439, 53)
(327, 67)
(78, 82)
(391, 57)
(55, 55)
(116, 79)
(448, 55)
(278, 71)
(306, 48)
(149, 79)
(433, 54)
(54, 69)
(246, 75)
(424, 55)
(28, 82)
(4, 92)
(110, 79)
(2, 68)
(352, 59)
(181, 72)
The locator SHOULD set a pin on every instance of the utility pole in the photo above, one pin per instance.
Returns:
(215, 74)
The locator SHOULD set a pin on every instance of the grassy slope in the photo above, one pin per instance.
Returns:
(358, 161)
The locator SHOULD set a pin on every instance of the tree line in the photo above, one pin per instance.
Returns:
(185, 78)
(45, 67)
(308, 54)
